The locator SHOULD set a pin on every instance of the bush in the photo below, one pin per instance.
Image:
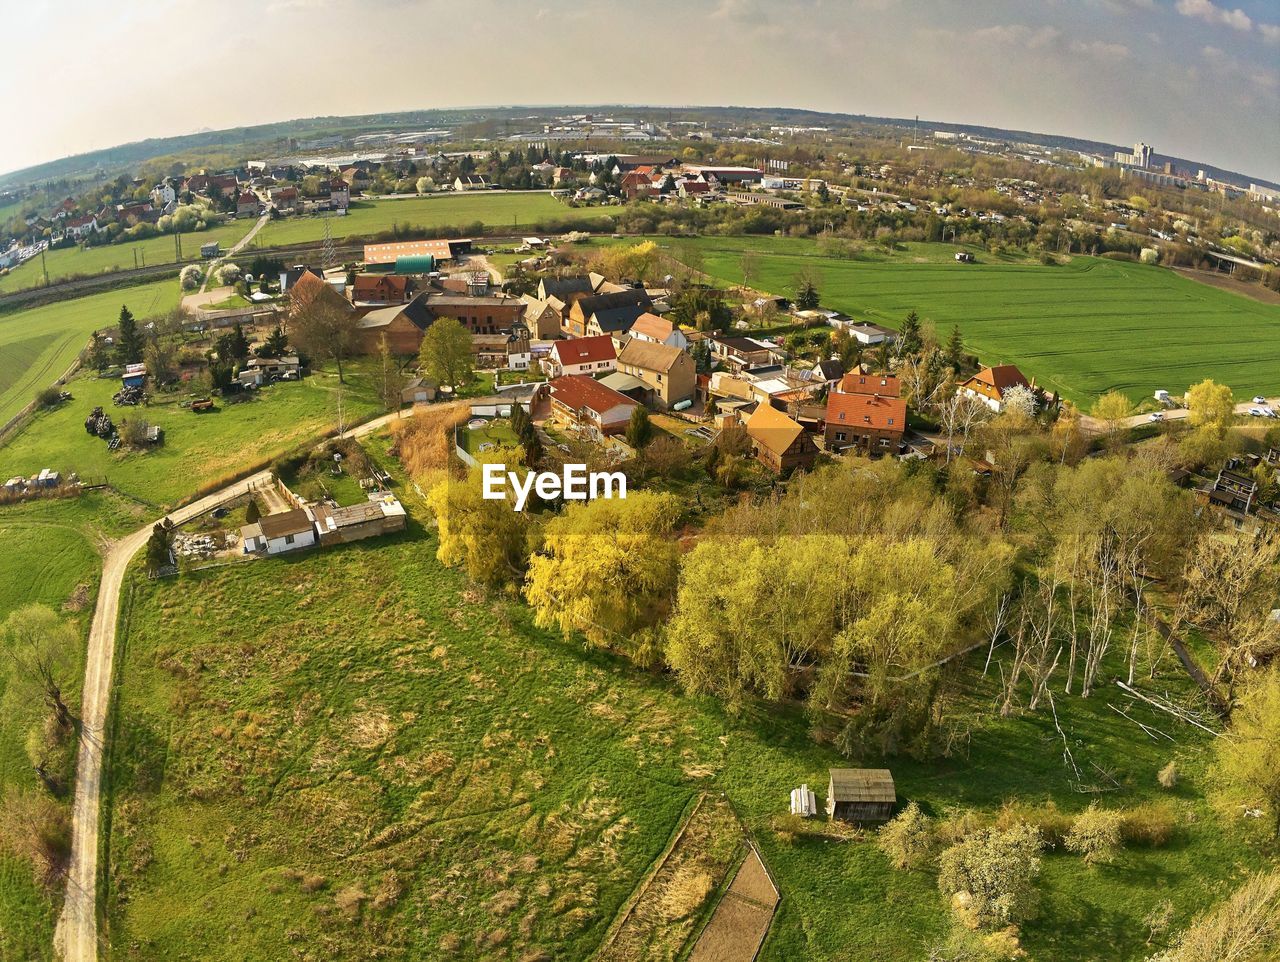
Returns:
(1052, 824)
(1168, 776)
(1095, 834)
(1151, 824)
(48, 397)
(956, 828)
(990, 877)
(908, 840)
(190, 277)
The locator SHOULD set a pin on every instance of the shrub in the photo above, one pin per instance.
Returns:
(908, 839)
(48, 397)
(190, 277)
(1052, 824)
(1151, 824)
(1168, 776)
(1095, 834)
(956, 828)
(228, 274)
(990, 876)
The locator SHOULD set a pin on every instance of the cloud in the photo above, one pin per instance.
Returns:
(1017, 34)
(1270, 32)
(1100, 50)
(1210, 12)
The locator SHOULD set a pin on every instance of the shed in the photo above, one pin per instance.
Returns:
(861, 794)
(416, 264)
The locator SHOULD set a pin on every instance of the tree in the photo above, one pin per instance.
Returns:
(749, 264)
(129, 341)
(325, 328)
(1247, 757)
(607, 569)
(239, 344)
(486, 537)
(806, 298)
(445, 353)
(252, 512)
(39, 649)
(525, 430)
(276, 344)
(639, 428)
(1020, 399)
(391, 389)
(1244, 927)
(990, 876)
(1112, 409)
(160, 545)
(1095, 834)
(909, 338)
(1210, 405)
(908, 839)
(955, 349)
(425, 185)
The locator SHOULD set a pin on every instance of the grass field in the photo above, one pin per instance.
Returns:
(37, 345)
(49, 557)
(443, 780)
(72, 261)
(1081, 329)
(516, 210)
(197, 449)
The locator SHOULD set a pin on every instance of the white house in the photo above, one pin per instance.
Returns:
(658, 330)
(582, 355)
(163, 194)
(278, 533)
(870, 334)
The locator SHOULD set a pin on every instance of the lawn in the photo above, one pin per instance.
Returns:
(494, 434)
(107, 258)
(1080, 329)
(49, 558)
(38, 344)
(442, 779)
(198, 448)
(519, 211)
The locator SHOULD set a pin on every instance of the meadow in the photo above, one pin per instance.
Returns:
(444, 780)
(50, 557)
(37, 345)
(461, 211)
(106, 259)
(198, 449)
(1081, 329)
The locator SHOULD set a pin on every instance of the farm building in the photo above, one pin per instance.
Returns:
(861, 794)
(278, 533)
(135, 375)
(781, 444)
(381, 514)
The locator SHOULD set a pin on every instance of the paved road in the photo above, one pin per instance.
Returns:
(1092, 425)
(248, 238)
(77, 934)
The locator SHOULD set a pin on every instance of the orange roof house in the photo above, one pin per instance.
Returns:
(865, 421)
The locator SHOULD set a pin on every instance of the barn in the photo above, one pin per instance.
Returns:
(861, 794)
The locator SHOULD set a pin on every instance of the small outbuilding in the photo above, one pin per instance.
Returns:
(861, 794)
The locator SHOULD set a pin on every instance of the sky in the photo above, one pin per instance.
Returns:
(1194, 78)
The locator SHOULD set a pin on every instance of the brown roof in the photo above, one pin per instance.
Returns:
(886, 385)
(580, 392)
(867, 410)
(651, 325)
(285, 523)
(366, 283)
(584, 350)
(999, 379)
(650, 356)
(773, 429)
(862, 785)
(387, 253)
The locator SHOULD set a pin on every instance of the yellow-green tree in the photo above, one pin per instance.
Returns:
(486, 537)
(1247, 762)
(607, 569)
(1111, 409)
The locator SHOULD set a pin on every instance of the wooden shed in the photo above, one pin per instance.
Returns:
(861, 794)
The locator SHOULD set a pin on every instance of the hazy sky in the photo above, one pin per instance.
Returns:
(1193, 78)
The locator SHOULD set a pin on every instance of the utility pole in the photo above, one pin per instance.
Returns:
(43, 267)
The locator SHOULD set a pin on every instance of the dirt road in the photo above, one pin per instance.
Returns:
(76, 938)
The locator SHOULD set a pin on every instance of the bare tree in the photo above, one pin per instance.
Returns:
(39, 649)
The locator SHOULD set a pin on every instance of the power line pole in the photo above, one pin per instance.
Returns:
(329, 256)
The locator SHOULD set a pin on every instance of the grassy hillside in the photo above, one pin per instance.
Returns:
(37, 345)
(1081, 329)
(73, 261)
(446, 781)
(517, 211)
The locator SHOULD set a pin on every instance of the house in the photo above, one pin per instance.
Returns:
(739, 353)
(492, 314)
(381, 514)
(518, 352)
(866, 421)
(388, 255)
(339, 194)
(309, 288)
(565, 289)
(289, 276)
(577, 400)
(278, 533)
(285, 198)
(870, 335)
(780, 444)
(668, 371)
(212, 249)
(990, 384)
(419, 391)
(541, 317)
(247, 205)
(861, 794)
(403, 326)
(81, 227)
(883, 385)
(470, 182)
(611, 313)
(582, 355)
(262, 370)
(379, 289)
(1233, 490)
(651, 327)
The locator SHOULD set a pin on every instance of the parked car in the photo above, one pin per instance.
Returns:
(1259, 400)
(1157, 416)
(1257, 413)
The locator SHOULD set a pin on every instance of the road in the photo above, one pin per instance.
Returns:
(76, 937)
(1092, 425)
(248, 238)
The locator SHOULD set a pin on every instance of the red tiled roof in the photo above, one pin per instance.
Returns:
(885, 385)
(868, 411)
(579, 392)
(585, 350)
(371, 282)
(1001, 377)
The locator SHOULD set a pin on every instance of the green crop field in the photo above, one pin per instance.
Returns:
(49, 558)
(1080, 329)
(74, 261)
(441, 779)
(197, 449)
(516, 210)
(39, 344)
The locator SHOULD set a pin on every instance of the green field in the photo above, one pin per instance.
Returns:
(517, 211)
(198, 448)
(49, 558)
(39, 344)
(443, 780)
(1080, 329)
(74, 261)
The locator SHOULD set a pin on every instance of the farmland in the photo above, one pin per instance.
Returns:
(39, 344)
(450, 781)
(198, 448)
(107, 258)
(1080, 329)
(519, 211)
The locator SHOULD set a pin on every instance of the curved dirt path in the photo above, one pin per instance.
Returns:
(76, 938)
